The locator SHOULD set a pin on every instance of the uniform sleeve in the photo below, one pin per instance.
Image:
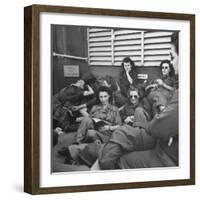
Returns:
(71, 94)
(123, 83)
(123, 114)
(118, 120)
(165, 124)
(91, 102)
(93, 110)
(134, 78)
(170, 82)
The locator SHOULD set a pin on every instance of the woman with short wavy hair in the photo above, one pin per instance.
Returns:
(128, 75)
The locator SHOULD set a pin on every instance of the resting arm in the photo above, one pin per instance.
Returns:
(163, 84)
(151, 86)
(167, 87)
(130, 80)
(124, 84)
(111, 128)
(88, 92)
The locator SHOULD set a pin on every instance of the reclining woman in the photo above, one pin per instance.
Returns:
(69, 103)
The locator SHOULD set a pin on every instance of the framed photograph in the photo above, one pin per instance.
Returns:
(109, 99)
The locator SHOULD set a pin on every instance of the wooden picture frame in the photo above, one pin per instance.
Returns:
(32, 92)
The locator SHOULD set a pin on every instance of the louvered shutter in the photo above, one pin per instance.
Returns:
(156, 47)
(99, 46)
(127, 43)
(109, 46)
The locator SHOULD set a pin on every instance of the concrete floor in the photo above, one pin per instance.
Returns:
(58, 161)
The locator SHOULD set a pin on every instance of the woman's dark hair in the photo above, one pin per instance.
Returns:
(174, 41)
(104, 89)
(112, 82)
(172, 72)
(128, 60)
(130, 89)
(89, 78)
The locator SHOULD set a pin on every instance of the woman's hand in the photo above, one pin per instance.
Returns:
(82, 106)
(58, 130)
(105, 128)
(129, 119)
(75, 108)
(161, 108)
(127, 70)
(109, 128)
(88, 92)
(155, 85)
(78, 139)
(130, 80)
(159, 82)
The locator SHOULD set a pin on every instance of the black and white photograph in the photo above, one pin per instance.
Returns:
(111, 102)
(114, 98)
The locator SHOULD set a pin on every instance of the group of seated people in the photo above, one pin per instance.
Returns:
(120, 125)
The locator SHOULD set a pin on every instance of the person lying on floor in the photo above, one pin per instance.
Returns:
(104, 118)
(90, 100)
(65, 104)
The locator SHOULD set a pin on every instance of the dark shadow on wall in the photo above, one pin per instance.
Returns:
(69, 40)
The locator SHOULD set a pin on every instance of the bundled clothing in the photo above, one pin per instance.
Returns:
(85, 154)
(62, 104)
